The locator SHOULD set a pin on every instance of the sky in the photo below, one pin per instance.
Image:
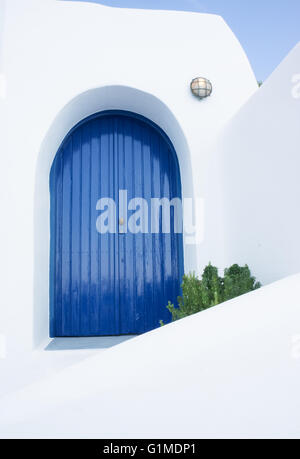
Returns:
(267, 29)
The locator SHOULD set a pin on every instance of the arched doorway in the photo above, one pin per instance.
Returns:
(119, 281)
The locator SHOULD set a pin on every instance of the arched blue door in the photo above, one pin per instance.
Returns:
(118, 282)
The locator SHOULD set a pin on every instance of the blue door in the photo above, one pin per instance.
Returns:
(119, 281)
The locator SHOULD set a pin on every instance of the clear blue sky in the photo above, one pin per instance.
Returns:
(267, 29)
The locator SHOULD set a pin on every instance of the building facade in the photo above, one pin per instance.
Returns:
(63, 64)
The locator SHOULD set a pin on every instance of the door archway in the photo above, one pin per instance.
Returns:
(118, 282)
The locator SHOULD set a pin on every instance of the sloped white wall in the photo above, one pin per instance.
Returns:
(53, 53)
(229, 372)
(259, 160)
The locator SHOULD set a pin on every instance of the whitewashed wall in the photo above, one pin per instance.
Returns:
(259, 161)
(63, 61)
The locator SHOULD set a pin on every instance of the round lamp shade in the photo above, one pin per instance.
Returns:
(201, 87)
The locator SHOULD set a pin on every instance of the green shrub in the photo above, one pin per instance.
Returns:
(190, 301)
(198, 295)
(238, 281)
(211, 287)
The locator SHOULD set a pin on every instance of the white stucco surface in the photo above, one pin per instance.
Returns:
(258, 156)
(233, 370)
(63, 61)
(230, 372)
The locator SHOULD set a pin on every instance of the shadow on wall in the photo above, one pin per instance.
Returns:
(93, 342)
(260, 163)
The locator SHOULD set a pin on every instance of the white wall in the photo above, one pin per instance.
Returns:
(259, 159)
(63, 61)
(236, 376)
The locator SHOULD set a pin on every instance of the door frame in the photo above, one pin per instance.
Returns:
(97, 115)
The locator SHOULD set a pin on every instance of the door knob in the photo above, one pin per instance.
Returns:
(121, 221)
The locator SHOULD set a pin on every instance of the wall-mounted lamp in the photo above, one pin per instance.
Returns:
(201, 87)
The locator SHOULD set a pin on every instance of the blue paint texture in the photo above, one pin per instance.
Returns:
(111, 284)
